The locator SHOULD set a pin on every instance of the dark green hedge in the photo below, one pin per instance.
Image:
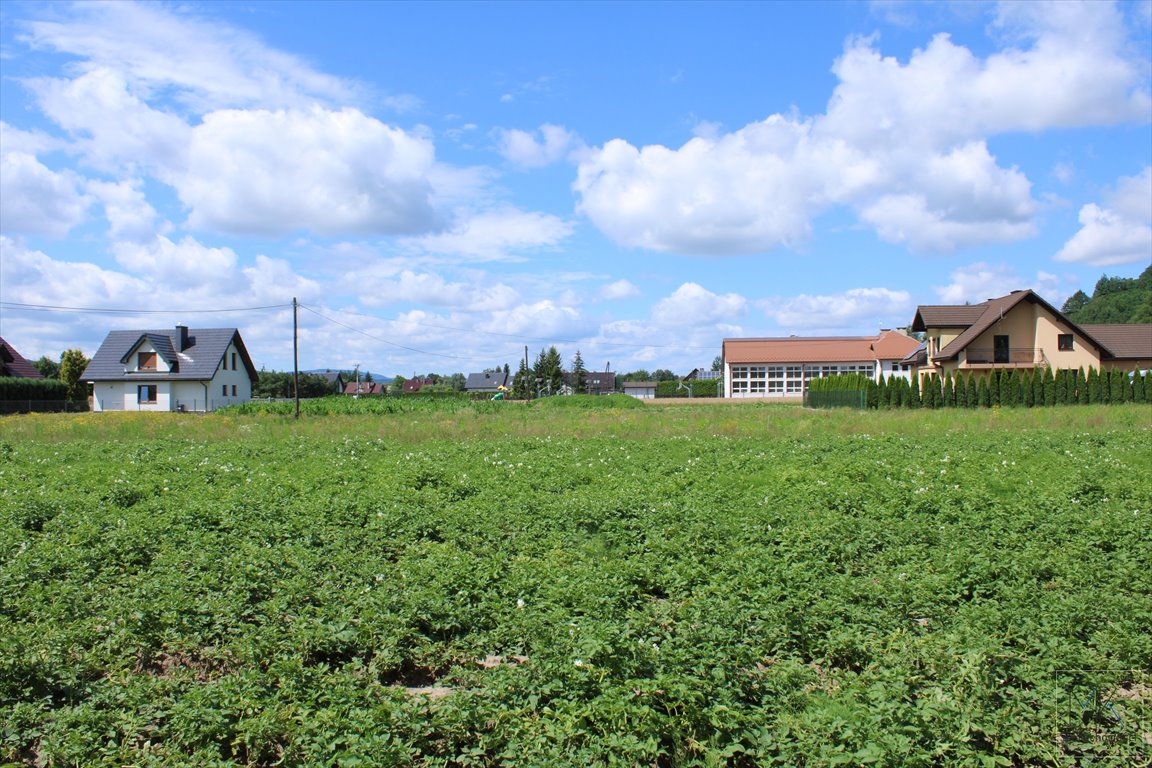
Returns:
(702, 388)
(1006, 389)
(13, 388)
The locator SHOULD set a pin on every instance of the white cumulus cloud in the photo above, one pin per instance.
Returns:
(535, 150)
(852, 309)
(35, 199)
(902, 143)
(273, 173)
(692, 304)
(501, 233)
(981, 281)
(620, 289)
(1120, 233)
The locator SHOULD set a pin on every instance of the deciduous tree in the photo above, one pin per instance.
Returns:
(72, 365)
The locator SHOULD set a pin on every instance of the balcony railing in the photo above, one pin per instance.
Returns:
(1005, 355)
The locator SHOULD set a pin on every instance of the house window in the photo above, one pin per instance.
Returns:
(224, 390)
(146, 393)
(1064, 342)
(146, 361)
(233, 390)
(233, 361)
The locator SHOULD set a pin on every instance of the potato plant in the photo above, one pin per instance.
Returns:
(813, 597)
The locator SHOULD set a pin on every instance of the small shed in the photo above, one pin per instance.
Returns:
(642, 390)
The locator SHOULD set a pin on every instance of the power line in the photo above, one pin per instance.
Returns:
(116, 311)
(518, 337)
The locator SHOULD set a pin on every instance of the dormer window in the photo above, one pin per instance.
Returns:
(146, 361)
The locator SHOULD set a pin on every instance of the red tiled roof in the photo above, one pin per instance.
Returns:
(363, 388)
(888, 345)
(13, 364)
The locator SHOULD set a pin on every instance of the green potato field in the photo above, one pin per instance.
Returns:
(500, 584)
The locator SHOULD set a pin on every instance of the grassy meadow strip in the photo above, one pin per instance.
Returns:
(577, 584)
(618, 416)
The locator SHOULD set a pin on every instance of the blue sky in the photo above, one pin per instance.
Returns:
(443, 184)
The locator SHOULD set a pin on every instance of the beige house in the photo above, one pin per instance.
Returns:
(1023, 331)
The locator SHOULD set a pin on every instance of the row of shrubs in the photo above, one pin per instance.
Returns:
(699, 387)
(1005, 388)
(16, 388)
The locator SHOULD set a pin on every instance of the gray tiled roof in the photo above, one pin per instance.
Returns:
(198, 360)
(480, 382)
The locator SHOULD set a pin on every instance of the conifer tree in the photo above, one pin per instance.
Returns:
(973, 391)
(1049, 387)
(913, 399)
(579, 374)
(1062, 387)
(961, 390)
(1081, 387)
(522, 382)
(984, 398)
(1119, 386)
(1139, 395)
(1093, 386)
(949, 400)
(1028, 392)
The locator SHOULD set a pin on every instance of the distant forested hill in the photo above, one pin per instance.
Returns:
(1114, 300)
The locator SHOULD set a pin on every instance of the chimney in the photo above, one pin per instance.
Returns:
(181, 338)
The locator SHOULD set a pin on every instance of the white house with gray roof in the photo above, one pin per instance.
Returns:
(180, 369)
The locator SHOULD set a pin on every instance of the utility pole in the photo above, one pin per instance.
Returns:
(295, 355)
(527, 385)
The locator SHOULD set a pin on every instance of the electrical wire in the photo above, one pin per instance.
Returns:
(95, 310)
(518, 337)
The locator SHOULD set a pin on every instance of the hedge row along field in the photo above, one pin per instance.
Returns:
(876, 589)
(1026, 388)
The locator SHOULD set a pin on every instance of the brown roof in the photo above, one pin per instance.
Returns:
(887, 345)
(363, 388)
(415, 385)
(12, 364)
(946, 316)
(1132, 341)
